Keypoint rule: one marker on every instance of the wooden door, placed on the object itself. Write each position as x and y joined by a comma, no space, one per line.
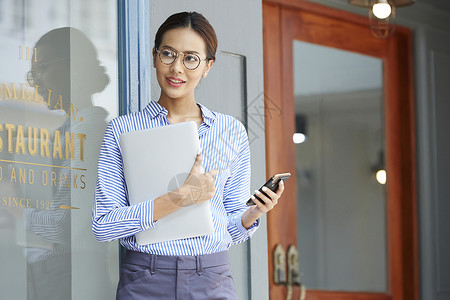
285,21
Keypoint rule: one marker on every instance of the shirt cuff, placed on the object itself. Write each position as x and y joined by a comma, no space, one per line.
244,231
147,215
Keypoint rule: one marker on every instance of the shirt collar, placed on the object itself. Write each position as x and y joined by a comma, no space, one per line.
208,115
154,109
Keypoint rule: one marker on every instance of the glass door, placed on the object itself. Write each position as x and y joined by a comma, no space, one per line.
58,90
341,197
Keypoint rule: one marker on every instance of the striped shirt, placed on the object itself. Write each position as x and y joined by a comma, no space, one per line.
224,145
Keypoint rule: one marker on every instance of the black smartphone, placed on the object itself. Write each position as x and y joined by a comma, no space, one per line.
271,184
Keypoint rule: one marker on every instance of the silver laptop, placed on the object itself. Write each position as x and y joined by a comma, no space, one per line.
157,161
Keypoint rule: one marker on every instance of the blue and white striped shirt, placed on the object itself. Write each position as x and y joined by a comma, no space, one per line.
224,145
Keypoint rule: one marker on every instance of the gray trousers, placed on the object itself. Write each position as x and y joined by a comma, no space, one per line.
149,276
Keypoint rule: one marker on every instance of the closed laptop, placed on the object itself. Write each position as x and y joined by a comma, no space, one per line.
157,161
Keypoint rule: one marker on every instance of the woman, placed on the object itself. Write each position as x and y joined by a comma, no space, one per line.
195,268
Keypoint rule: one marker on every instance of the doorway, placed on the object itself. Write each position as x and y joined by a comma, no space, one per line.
288,26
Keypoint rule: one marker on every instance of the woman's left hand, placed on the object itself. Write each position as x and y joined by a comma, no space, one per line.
269,202
256,211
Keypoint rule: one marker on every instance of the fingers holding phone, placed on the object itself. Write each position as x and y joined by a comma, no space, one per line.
270,187
266,199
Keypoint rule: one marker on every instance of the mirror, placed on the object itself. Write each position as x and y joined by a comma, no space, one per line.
58,90
341,205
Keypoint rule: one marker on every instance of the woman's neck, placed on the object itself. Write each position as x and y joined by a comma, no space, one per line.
181,110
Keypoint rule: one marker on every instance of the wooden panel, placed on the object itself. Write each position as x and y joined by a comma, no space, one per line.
286,20
319,29
325,295
401,167
306,5
279,147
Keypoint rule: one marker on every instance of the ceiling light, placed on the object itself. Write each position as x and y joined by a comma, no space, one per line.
381,14
381,9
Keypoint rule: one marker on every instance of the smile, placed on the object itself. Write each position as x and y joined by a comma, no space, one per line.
175,82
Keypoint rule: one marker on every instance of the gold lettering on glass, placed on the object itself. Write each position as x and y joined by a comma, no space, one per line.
70,145
10,128
10,91
32,140
20,140
44,143
57,145
82,137
1,140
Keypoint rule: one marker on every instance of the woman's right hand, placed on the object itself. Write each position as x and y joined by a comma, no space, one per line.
198,187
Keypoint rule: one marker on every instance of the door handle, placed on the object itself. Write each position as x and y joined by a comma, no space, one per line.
279,269
286,270
293,271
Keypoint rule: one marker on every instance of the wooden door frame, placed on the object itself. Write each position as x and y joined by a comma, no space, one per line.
285,20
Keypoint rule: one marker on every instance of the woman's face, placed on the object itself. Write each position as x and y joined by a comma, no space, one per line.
54,74
175,80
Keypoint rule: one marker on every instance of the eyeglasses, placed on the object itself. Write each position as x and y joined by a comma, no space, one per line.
38,70
33,77
167,56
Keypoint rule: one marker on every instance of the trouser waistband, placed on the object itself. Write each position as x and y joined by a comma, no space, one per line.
183,262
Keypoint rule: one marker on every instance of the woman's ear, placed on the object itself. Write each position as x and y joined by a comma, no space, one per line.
154,57
207,68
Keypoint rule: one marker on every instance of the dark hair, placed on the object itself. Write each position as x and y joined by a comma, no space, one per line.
195,21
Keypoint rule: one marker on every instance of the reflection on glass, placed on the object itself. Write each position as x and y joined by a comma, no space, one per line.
341,206
381,176
51,128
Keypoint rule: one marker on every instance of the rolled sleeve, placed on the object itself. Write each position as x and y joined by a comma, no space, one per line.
240,231
147,215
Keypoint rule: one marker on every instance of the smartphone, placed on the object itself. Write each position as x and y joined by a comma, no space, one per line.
271,184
